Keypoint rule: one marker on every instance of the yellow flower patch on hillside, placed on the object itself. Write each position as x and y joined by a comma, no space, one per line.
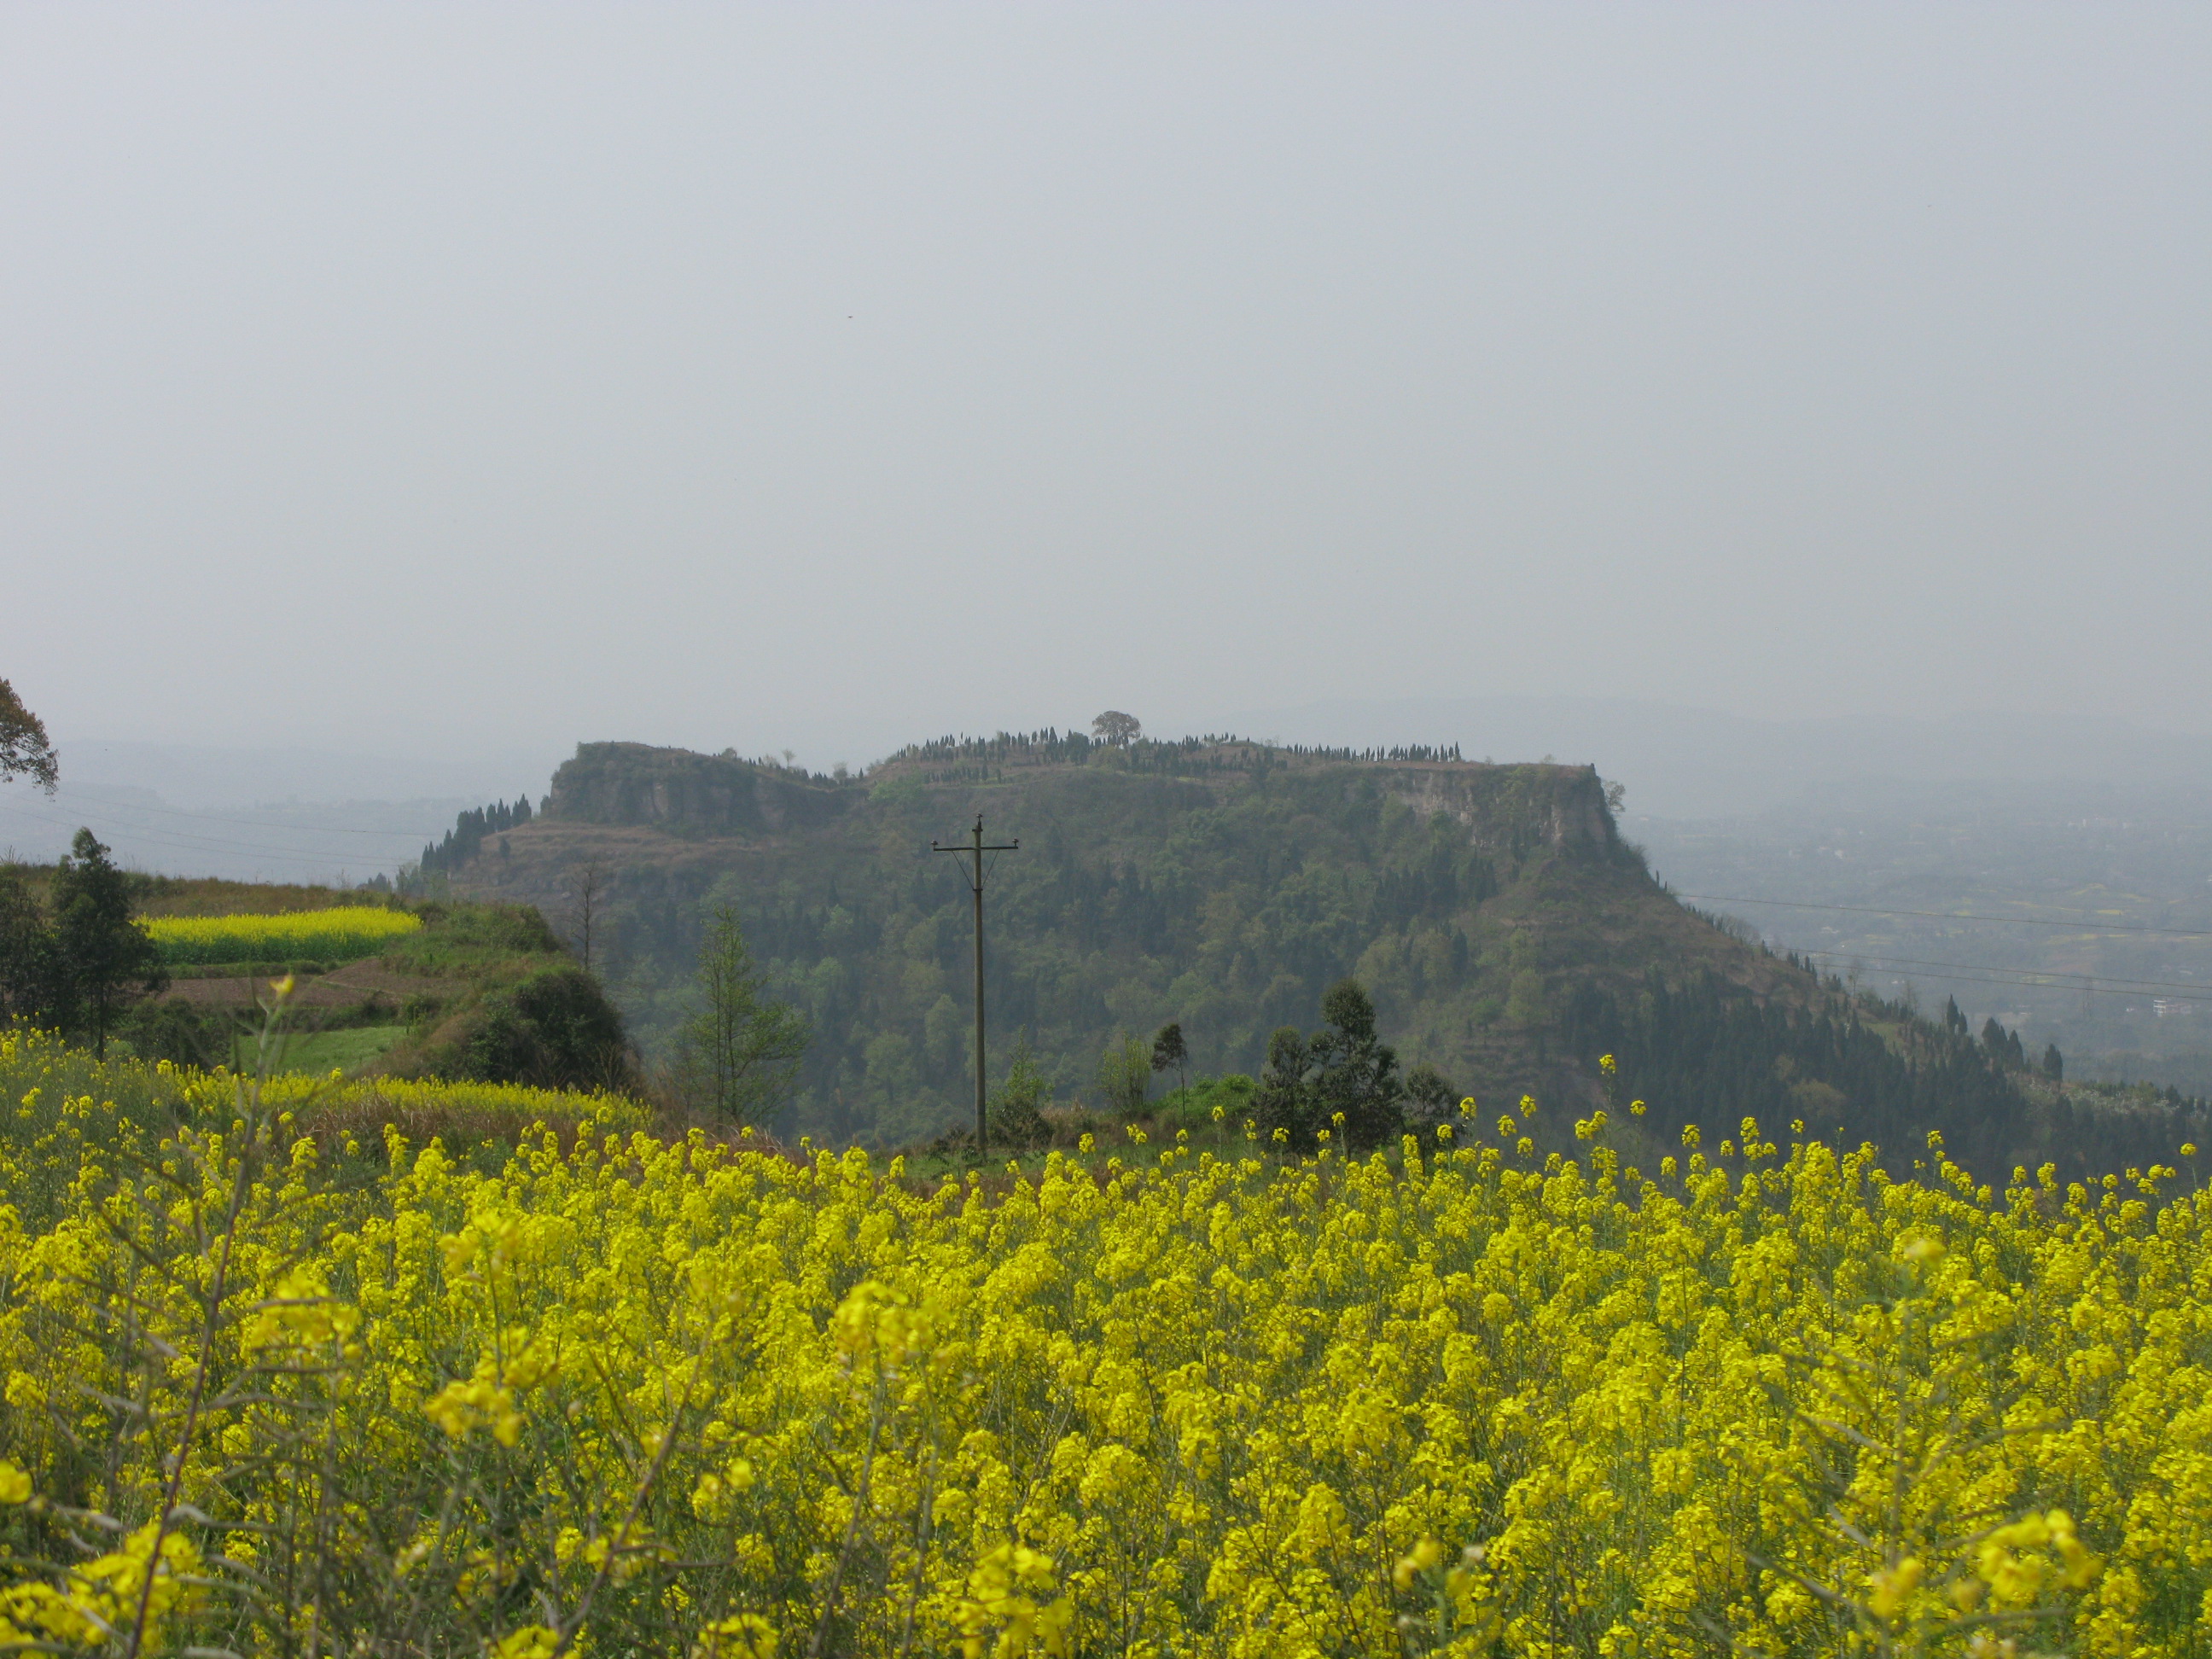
339,934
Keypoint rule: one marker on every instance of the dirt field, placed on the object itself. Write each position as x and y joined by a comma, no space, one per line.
341,987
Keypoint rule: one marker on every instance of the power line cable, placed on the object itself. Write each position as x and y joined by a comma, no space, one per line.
2018,985
192,843
204,845
113,808
2032,977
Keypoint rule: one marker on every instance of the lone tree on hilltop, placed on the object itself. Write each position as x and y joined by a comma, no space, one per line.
24,750
106,955
1115,728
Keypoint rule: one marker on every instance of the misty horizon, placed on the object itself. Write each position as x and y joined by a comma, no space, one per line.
476,376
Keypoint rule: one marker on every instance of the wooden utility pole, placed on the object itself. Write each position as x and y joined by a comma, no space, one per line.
974,848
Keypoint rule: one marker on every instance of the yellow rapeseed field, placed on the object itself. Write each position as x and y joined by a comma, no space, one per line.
338,934
267,1392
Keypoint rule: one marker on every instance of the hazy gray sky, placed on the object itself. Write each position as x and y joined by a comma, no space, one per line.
430,380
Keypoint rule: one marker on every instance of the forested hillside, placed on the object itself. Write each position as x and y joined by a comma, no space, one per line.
1506,932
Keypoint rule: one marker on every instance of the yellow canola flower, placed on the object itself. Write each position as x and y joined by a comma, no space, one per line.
2012,1560
110,1593
528,1642
880,1319
740,1635
1000,1616
1888,1589
487,1398
1241,1404
1420,1559
301,1309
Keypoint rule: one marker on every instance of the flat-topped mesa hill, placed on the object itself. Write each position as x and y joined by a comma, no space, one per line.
1506,932
694,795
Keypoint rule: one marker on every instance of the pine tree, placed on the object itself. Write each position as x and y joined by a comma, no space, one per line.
1284,1101
740,1054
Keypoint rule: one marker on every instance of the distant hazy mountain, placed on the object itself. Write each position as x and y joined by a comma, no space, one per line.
197,776
275,814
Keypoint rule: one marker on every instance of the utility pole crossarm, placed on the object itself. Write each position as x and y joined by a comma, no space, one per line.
976,848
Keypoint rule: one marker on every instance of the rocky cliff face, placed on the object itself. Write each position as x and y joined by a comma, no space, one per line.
1515,807
686,793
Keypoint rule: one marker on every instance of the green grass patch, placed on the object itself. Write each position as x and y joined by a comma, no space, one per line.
465,939
321,1051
